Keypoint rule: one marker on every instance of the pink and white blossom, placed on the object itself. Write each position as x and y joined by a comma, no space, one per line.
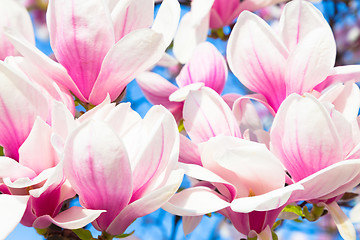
122,164
206,67
14,15
297,60
95,57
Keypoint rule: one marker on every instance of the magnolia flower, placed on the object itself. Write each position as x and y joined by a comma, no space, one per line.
24,99
101,57
122,164
14,15
319,147
236,182
36,186
207,67
205,14
297,60
207,115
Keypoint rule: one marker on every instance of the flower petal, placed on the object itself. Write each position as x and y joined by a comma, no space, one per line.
147,204
43,63
130,15
17,121
79,40
343,223
310,62
190,223
192,30
207,115
130,56
167,20
156,88
72,218
265,202
37,152
96,161
304,137
206,65
298,19
14,15
329,182
12,210
190,202
257,57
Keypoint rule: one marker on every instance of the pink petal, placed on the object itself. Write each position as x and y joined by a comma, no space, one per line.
130,15
206,65
343,223
154,150
329,182
244,164
192,30
50,88
298,19
147,204
257,57
156,88
304,137
181,94
207,115
346,99
79,40
341,74
132,55
265,202
311,61
15,16
92,152
167,20
72,218
198,172
12,210
190,223
189,152
17,121
122,118
12,169
37,152
190,202
44,64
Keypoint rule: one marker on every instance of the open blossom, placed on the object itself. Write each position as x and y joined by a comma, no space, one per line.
297,60
205,14
206,67
236,182
319,146
14,15
219,157
32,91
121,164
95,57
34,188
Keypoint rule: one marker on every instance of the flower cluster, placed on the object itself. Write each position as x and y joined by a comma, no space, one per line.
66,133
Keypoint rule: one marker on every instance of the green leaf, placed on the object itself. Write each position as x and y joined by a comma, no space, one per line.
253,238
1,151
294,209
124,235
83,234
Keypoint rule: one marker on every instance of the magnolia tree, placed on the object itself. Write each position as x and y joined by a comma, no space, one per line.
65,133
